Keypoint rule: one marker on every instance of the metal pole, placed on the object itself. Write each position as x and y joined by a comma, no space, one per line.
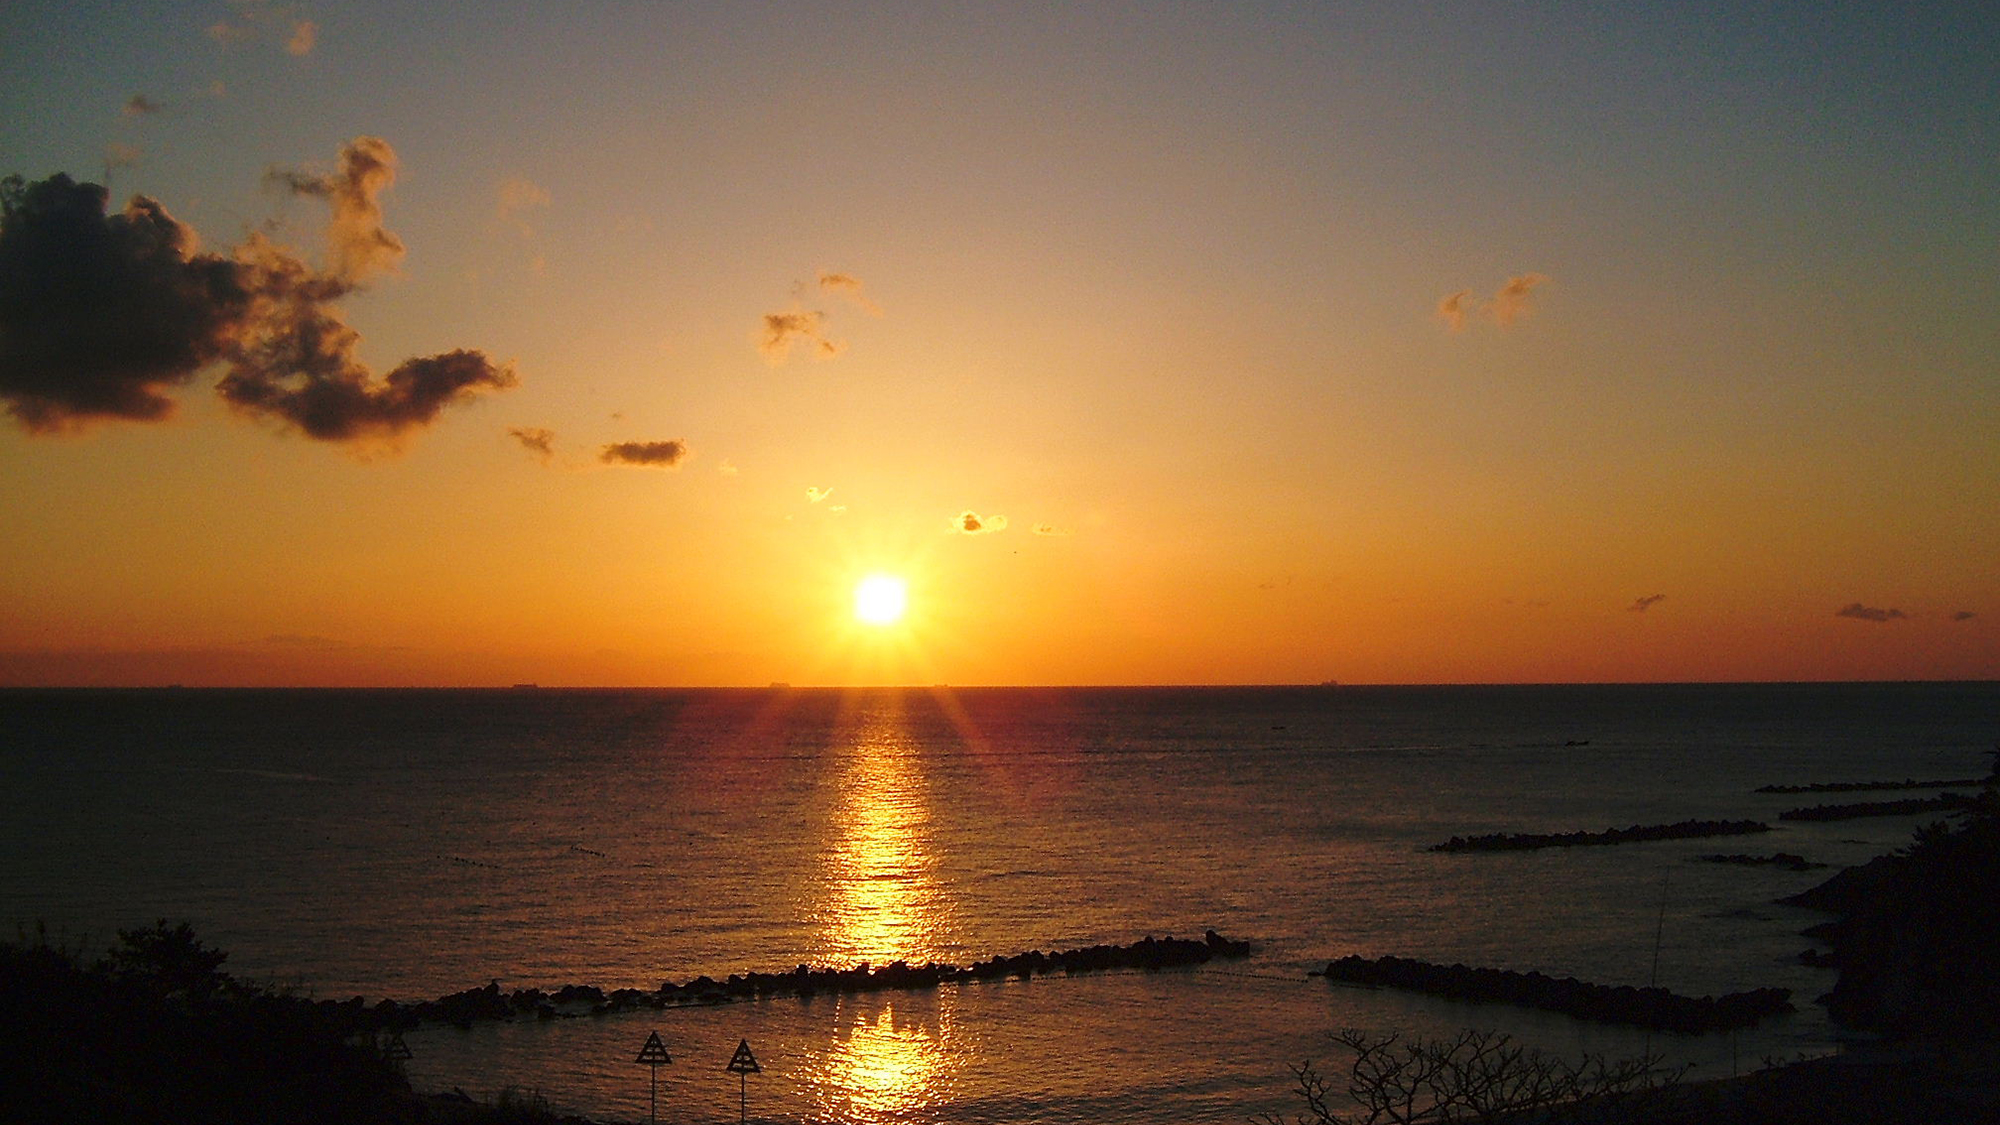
653,1106
743,1097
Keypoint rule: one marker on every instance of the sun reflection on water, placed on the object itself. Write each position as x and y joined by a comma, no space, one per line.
891,1058
880,901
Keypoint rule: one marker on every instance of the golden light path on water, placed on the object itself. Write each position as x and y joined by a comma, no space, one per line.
882,903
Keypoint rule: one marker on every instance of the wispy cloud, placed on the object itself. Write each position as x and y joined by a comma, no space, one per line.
806,328
1452,309
517,196
970,522
361,245
815,495
538,441
1052,530
139,105
146,309
262,20
849,286
645,454
803,327
1860,612
118,154
1963,615
1513,302
1646,603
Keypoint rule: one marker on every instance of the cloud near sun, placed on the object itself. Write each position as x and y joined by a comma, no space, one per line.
970,522
103,316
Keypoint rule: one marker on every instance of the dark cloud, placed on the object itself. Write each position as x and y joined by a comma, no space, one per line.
296,365
139,105
308,378
1646,603
1963,615
649,454
1861,612
101,315
970,522
805,328
360,244
540,442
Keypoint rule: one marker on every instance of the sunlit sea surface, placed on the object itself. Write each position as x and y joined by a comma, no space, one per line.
412,843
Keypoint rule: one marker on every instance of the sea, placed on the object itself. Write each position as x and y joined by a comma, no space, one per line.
412,843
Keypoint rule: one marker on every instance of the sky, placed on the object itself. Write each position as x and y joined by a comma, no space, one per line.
615,344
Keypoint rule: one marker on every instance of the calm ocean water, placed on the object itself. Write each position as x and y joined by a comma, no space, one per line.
412,843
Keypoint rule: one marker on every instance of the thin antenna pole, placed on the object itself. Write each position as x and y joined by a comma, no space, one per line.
1659,932
1660,927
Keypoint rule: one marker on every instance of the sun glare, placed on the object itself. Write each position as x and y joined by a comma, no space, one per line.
880,599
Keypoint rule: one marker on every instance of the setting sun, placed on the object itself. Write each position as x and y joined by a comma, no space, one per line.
880,599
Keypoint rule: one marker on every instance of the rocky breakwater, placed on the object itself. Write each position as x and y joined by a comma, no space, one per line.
1943,802
1637,833
1656,1008
492,1003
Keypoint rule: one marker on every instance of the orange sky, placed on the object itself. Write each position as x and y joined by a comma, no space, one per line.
1268,344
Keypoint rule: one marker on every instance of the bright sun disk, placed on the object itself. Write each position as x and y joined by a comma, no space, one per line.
880,599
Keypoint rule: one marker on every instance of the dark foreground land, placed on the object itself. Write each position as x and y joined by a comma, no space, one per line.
1929,1084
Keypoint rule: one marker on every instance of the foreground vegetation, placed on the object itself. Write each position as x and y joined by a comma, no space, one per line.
1474,1076
155,1031
1918,937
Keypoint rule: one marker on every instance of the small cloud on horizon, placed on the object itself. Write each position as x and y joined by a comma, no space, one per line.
645,454
1859,612
970,522
1646,603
